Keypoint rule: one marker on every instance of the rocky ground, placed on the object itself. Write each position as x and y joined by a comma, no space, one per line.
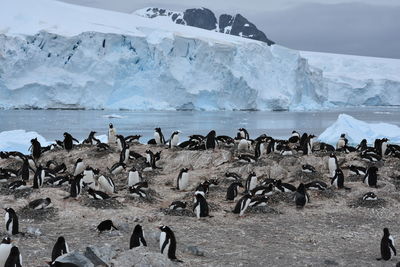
335,229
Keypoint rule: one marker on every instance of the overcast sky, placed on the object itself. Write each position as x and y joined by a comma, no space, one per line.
368,27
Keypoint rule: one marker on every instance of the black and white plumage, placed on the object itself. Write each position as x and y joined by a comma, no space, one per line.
307,168
120,140
286,151
91,140
178,205
151,159
14,258
295,138
106,225
168,242
124,155
24,171
233,190
247,158
210,141
369,196
76,186
59,248
174,140
371,177
137,237
38,178
338,179
68,141
200,207
134,177
5,248
79,167
36,149
251,182
137,191
233,176
259,201
332,164
243,133
117,168
342,142
301,196
387,246
11,221
284,187
102,147
112,134
95,194
159,137
266,190
130,139
106,184
182,181
316,185
41,203
242,205
17,185
357,170
58,180
244,145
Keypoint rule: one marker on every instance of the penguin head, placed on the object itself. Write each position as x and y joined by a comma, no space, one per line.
386,231
338,172
6,240
343,135
110,126
133,169
163,227
301,188
48,200
78,160
385,139
9,210
138,228
332,155
65,134
60,239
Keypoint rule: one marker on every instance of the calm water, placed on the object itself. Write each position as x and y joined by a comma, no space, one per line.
53,123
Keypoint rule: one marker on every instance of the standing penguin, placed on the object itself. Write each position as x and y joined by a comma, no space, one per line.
78,167
159,137
5,248
183,179
76,186
60,248
244,133
242,205
68,141
24,171
137,238
38,178
301,196
124,155
11,221
387,246
112,133
134,177
371,177
168,242
251,182
107,185
36,149
332,164
232,191
14,259
173,142
210,140
338,180
200,207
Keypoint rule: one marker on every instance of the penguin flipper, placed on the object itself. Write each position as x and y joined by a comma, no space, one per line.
378,259
176,260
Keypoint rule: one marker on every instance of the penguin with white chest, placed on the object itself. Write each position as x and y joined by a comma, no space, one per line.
137,238
232,191
301,196
183,179
251,182
371,177
112,133
38,178
107,184
59,248
332,164
168,243
200,207
387,246
5,248
78,167
11,221
39,204
14,258
173,142
159,137
134,177
242,205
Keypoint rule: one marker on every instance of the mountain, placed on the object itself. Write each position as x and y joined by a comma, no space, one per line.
205,19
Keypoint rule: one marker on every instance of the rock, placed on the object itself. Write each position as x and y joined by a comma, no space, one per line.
194,250
141,257
76,258
101,255
33,231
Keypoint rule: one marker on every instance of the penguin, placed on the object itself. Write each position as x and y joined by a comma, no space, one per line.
62,168
357,170
117,168
59,248
134,155
387,246
68,141
295,138
260,149
210,140
132,139
316,185
251,182
178,205
159,137
268,181
102,147
383,146
41,203
97,194
259,201
308,168
301,196
168,242
242,205
107,185
134,177
151,159
247,158
371,177
11,221
243,133
78,167
124,155
14,259
106,225
76,186
332,164
5,248
369,196
136,191
244,145
173,142
286,151
263,190
225,139
17,185
342,142
91,139
326,147
36,149
200,207
232,191
112,133
232,176
59,181
182,181
137,238
338,180
24,171
370,157
120,141
88,175
38,178
284,187
362,146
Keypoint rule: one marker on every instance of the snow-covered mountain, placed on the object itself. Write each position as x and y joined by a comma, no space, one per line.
205,19
58,55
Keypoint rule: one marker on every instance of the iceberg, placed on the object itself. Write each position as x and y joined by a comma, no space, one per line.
356,130
19,140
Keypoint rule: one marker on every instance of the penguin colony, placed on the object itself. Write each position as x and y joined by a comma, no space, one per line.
253,190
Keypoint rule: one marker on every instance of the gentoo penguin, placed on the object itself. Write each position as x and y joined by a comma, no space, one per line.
38,178
173,142
244,145
68,141
369,196
168,242
286,151
137,191
91,139
371,176
132,139
107,184
387,246
316,185
259,201
263,190
159,137
342,142
338,179
151,159
11,221
242,205
106,225
357,170
301,196
284,187
88,175
295,137
59,248
5,248
137,238
78,167
200,207
183,179
36,149
326,147
251,182
243,133
260,148
102,147
40,203
117,168
210,140
17,185
307,168
247,158
14,259
332,164
121,144
112,135
124,155
232,191
95,194
383,146
76,186
178,205
24,171
362,146
225,139
134,177
59,180
233,176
